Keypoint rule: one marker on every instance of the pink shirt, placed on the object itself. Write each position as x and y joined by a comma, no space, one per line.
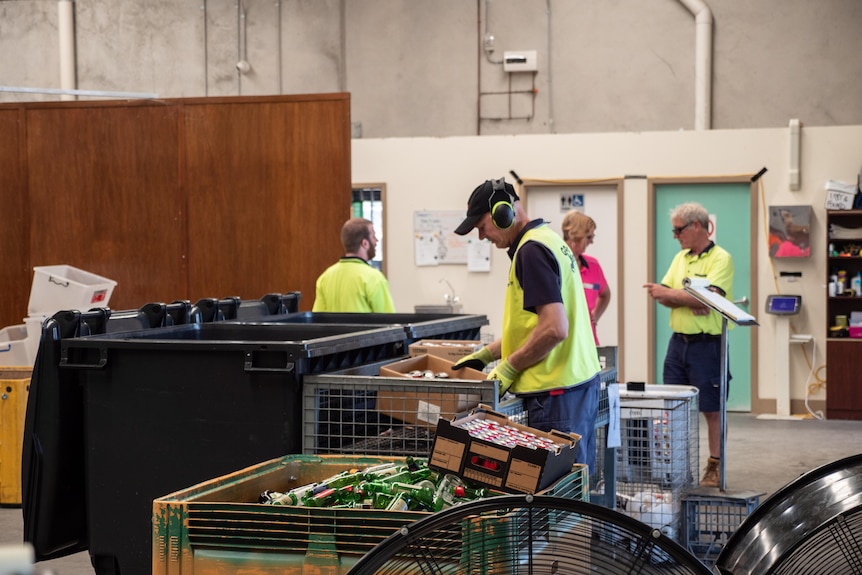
594,282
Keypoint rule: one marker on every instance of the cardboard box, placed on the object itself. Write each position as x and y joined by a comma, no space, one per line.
517,469
451,349
425,408
840,195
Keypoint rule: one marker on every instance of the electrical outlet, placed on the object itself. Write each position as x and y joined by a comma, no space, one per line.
489,42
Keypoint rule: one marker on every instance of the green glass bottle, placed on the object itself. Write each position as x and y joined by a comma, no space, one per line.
422,493
349,477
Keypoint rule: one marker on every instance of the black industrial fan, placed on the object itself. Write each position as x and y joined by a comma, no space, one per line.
811,526
527,535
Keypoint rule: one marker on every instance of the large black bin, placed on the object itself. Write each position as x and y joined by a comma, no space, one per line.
118,419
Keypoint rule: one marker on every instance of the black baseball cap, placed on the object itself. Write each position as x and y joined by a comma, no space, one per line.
479,204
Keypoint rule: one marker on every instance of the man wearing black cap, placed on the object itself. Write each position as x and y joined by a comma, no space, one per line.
547,351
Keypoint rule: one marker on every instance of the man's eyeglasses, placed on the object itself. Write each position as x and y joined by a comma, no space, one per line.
679,230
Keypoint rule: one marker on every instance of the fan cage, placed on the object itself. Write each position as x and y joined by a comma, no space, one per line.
532,535
835,548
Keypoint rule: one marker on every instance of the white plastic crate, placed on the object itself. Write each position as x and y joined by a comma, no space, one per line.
34,334
63,287
13,346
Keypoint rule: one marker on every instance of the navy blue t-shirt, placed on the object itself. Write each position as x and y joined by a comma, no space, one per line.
537,270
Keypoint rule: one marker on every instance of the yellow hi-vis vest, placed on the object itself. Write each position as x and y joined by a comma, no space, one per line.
574,360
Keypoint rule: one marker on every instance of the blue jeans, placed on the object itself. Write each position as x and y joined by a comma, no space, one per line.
574,411
696,362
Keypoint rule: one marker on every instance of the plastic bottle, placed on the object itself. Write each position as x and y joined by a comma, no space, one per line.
398,503
841,286
856,284
292,497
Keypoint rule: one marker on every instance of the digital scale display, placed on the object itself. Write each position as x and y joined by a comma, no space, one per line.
783,304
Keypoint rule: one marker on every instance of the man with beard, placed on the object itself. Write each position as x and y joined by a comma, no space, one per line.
352,284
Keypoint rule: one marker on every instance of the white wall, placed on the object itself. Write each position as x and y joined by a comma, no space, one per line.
439,174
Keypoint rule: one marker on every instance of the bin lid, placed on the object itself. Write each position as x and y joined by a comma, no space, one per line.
416,325
299,340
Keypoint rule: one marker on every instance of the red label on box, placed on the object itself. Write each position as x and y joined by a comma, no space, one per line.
99,296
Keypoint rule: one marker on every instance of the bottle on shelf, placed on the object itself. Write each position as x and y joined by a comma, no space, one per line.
856,284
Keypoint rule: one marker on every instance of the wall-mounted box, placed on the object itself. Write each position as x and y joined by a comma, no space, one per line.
521,61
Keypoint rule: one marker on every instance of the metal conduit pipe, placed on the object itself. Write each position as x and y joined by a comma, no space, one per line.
702,63
66,40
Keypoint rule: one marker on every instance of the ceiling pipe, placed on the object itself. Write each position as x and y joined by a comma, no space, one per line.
66,29
702,63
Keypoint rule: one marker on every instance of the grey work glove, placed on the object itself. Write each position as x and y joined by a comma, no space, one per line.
476,360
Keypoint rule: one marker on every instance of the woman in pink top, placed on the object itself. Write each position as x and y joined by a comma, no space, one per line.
579,231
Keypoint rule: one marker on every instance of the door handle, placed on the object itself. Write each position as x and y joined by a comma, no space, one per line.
743,301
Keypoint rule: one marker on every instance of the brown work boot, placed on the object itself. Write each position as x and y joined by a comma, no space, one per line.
710,474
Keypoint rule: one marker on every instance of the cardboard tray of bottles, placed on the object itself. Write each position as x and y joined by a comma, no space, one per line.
218,526
504,455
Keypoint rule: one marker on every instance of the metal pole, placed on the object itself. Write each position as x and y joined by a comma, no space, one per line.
96,93
722,483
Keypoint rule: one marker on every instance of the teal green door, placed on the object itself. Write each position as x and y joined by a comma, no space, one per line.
729,204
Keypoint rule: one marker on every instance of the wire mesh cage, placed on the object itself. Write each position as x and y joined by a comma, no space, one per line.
659,436
602,477
657,459
389,416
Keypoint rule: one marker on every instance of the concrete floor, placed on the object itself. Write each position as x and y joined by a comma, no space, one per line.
762,456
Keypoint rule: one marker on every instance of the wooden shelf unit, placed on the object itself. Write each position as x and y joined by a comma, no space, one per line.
843,392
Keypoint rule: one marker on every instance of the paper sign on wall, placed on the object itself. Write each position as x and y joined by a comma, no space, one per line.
434,239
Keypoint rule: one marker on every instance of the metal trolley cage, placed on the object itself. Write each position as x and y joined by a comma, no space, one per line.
356,411
340,415
657,461
603,477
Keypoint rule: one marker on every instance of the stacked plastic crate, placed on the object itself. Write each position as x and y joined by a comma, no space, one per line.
657,461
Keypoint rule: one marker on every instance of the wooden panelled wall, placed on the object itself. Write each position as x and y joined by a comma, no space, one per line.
176,199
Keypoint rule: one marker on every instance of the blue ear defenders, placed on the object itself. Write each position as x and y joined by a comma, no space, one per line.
500,202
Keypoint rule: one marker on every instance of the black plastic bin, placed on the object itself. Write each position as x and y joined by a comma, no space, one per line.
118,419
